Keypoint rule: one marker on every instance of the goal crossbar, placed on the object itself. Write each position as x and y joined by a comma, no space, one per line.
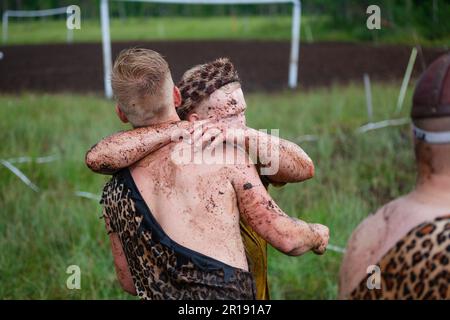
295,33
30,14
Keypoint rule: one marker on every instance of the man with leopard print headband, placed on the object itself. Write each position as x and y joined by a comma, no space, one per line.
409,238
212,91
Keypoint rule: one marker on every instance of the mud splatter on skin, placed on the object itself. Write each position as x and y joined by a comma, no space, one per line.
223,107
270,205
159,167
194,222
425,157
212,225
247,186
265,217
210,204
124,148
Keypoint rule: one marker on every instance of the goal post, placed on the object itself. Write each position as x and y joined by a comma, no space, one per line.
31,14
295,33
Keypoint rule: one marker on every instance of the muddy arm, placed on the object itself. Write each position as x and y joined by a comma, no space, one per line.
294,165
289,235
122,149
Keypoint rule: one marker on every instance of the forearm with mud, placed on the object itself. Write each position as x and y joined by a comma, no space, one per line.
294,165
122,149
289,235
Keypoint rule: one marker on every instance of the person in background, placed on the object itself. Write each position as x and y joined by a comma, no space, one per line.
408,239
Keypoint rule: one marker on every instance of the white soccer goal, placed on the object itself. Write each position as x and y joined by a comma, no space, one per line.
295,41
31,14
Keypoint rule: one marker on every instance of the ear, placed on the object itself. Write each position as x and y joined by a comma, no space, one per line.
193,117
176,96
121,115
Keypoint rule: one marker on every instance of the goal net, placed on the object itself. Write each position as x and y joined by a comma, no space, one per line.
32,14
295,33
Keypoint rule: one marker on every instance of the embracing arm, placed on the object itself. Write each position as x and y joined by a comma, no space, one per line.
122,149
289,235
294,165
280,160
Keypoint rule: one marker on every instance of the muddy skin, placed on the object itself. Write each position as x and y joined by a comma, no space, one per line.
290,235
193,204
220,108
122,149
229,105
247,186
425,166
199,206
125,148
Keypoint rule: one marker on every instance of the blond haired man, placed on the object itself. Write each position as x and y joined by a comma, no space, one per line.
175,226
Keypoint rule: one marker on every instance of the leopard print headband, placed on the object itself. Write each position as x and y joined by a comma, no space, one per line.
201,81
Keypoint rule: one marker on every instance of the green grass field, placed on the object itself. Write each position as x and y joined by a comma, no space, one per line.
44,232
234,27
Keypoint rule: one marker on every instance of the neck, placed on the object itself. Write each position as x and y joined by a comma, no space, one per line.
168,117
234,121
433,185
172,118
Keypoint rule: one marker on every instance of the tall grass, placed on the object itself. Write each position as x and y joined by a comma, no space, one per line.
42,233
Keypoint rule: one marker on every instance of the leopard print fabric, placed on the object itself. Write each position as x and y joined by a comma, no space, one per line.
161,268
201,81
417,267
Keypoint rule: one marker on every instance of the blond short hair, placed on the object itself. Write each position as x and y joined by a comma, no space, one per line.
142,85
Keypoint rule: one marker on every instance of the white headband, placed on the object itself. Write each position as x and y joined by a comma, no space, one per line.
432,137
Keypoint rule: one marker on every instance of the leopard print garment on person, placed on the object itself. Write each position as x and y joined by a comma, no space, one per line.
161,268
417,267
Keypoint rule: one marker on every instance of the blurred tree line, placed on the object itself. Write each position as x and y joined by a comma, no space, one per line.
430,18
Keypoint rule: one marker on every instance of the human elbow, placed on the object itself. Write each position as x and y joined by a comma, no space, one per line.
129,288
304,171
97,163
91,161
309,169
